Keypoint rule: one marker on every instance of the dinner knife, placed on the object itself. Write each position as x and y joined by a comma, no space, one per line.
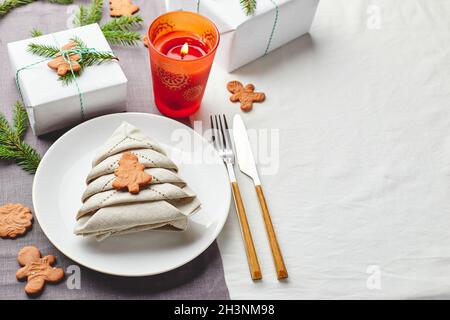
247,165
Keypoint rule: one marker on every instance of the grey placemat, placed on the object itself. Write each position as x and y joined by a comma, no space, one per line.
200,279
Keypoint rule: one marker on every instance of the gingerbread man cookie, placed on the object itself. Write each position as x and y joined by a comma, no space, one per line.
245,95
37,270
15,219
145,40
62,66
119,8
130,174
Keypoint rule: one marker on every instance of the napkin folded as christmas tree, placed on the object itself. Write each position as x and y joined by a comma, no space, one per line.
165,204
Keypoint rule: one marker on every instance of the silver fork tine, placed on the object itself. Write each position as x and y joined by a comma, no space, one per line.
223,133
219,137
213,132
227,135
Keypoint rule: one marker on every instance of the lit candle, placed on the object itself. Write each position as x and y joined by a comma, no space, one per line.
182,46
185,50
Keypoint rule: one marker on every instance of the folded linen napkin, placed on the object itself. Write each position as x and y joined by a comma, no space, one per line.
165,204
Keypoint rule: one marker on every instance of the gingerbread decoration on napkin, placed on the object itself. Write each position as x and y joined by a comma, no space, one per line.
37,270
130,174
120,8
15,220
62,66
245,95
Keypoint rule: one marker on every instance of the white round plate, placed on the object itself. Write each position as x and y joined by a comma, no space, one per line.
60,182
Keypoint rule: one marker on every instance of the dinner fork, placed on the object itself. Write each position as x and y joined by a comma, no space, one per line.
222,142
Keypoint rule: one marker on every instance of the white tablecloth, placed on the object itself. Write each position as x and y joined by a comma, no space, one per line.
357,175
361,199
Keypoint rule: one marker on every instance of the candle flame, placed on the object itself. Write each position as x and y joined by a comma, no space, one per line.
184,49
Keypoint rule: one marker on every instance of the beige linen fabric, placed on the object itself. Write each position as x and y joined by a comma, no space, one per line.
165,204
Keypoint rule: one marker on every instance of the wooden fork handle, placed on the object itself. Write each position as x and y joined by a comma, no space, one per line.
255,270
276,252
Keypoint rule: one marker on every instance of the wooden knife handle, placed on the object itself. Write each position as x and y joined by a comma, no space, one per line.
255,270
276,252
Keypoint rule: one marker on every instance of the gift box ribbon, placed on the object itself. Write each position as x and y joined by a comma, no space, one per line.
65,54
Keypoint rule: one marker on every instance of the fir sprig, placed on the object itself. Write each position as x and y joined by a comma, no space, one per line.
8,5
20,120
12,147
43,50
118,31
35,33
80,16
79,43
123,23
89,58
95,12
249,6
89,14
124,38
97,58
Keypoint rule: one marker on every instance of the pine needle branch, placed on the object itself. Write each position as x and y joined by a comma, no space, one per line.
118,31
123,24
5,129
97,58
43,50
27,157
6,153
79,43
8,5
81,16
35,33
95,12
12,147
124,38
68,78
89,14
249,6
20,120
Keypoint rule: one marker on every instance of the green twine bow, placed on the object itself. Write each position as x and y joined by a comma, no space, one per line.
65,54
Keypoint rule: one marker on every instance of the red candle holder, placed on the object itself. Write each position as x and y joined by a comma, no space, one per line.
182,46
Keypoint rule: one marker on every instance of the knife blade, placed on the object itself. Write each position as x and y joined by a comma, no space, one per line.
247,164
246,161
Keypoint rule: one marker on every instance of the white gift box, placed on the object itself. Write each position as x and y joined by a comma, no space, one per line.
246,38
51,105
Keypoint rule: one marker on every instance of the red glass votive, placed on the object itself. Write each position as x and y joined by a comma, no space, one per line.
182,46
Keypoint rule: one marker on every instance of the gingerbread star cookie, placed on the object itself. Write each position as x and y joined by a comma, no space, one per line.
120,8
245,95
37,270
62,66
15,220
130,174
